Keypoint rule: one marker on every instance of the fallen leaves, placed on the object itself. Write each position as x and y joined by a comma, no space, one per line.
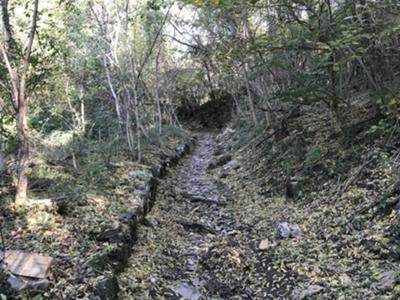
97,198
349,241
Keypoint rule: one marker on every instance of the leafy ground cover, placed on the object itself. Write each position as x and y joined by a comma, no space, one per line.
346,204
94,197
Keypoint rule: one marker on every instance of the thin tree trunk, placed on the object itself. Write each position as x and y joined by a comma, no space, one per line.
114,94
249,96
82,116
157,96
23,151
138,132
20,101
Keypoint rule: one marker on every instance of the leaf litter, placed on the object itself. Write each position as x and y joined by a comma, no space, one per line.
173,259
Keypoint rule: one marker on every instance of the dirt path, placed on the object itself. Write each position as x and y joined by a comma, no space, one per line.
192,247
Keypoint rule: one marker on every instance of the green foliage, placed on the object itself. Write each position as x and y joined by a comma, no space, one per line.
312,156
155,138
390,107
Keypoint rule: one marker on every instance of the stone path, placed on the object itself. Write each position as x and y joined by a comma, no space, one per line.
191,246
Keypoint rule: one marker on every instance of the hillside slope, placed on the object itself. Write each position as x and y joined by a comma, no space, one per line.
339,186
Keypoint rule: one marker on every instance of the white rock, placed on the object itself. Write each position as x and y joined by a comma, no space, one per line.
287,230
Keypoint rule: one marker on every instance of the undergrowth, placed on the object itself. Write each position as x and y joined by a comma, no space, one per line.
346,202
94,179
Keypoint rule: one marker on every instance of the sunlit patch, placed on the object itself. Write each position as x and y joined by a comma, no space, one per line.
37,219
100,201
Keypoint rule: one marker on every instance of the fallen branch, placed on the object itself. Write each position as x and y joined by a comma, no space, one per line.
353,178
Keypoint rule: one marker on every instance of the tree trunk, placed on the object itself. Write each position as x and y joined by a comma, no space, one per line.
23,152
113,92
138,132
18,82
250,100
160,118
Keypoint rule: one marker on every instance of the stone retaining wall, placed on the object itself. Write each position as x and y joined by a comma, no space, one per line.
123,234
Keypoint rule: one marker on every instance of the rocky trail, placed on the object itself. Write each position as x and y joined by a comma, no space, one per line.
193,246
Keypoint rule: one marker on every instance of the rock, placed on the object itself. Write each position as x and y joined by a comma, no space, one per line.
137,208
16,283
187,292
197,198
219,161
223,174
98,261
118,255
232,165
386,282
114,256
26,264
139,174
218,151
182,149
157,170
114,233
106,288
289,231
292,190
284,230
264,244
345,279
295,231
225,135
370,185
20,284
299,293
153,280
130,219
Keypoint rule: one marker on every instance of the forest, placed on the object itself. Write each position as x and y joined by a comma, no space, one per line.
199,149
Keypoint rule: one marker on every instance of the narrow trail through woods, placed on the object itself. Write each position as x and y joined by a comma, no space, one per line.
192,247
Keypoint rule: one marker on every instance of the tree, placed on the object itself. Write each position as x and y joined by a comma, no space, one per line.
18,75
